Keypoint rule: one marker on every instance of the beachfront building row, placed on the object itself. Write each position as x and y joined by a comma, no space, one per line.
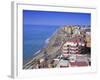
74,48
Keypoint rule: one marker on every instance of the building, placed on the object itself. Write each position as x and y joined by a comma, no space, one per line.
69,47
72,47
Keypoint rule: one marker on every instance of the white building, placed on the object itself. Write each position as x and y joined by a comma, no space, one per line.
71,47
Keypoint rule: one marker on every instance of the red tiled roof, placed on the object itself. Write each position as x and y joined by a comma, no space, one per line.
83,63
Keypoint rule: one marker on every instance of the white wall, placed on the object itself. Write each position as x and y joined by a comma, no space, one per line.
5,39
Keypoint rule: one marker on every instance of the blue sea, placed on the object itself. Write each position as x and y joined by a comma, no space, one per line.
34,37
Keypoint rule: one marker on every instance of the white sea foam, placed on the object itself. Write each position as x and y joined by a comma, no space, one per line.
47,40
37,52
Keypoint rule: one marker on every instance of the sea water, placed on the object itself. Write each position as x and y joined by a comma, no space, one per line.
34,38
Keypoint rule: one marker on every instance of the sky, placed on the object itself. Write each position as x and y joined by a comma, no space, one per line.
31,17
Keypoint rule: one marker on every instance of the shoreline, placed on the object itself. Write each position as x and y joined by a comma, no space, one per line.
40,52
51,46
